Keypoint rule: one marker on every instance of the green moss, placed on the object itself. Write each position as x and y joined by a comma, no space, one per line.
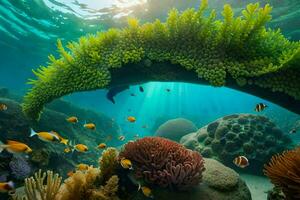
237,47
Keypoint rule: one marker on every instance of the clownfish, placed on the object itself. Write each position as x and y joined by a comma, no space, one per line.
241,161
260,107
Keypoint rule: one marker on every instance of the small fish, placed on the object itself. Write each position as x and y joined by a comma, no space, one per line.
67,150
136,136
82,167
3,107
90,126
126,164
6,186
45,136
101,146
131,119
168,90
15,147
146,191
293,131
132,94
72,119
81,148
260,107
122,138
144,126
61,139
241,161
141,89
70,173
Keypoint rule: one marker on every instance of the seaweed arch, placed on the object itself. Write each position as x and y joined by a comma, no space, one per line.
238,52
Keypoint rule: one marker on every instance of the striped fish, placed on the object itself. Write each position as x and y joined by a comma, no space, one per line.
241,161
260,107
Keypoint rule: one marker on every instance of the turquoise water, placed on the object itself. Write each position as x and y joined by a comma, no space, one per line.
29,30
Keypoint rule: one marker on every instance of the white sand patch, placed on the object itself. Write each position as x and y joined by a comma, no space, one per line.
258,186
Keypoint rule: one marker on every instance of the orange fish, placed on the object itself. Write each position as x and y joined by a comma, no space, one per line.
81,148
122,138
241,161
3,107
131,119
15,147
6,186
70,173
72,119
67,150
45,136
82,167
90,126
61,139
102,146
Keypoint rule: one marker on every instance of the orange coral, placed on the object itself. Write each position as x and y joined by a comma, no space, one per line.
284,171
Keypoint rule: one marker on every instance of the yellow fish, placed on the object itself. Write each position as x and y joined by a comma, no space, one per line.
131,119
6,186
90,126
45,136
15,147
61,139
102,146
81,148
3,107
72,119
122,138
146,191
67,150
126,163
82,167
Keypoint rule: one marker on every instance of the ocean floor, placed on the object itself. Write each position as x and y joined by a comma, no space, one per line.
258,186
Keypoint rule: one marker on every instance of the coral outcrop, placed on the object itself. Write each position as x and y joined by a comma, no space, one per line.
174,129
108,163
284,172
19,167
253,136
239,52
219,182
164,163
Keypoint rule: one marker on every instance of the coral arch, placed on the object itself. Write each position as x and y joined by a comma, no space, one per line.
192,46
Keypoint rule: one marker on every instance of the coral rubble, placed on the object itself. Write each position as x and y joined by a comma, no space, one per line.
235,49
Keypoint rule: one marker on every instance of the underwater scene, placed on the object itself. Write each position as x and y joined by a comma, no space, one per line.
149,99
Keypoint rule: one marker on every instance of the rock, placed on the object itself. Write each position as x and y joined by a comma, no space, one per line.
253,136
219,183
174,129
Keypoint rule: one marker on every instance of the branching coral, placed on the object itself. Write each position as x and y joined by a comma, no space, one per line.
108,163
284,172
216,50
164,163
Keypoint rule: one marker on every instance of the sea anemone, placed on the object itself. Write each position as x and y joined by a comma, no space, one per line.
284,172
164,163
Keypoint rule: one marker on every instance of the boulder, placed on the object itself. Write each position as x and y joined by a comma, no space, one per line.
174,129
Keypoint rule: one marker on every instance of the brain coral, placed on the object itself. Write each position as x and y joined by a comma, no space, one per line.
176,128
164,163
238,48
254,136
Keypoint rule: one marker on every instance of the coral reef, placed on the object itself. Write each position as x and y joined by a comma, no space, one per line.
284,172
19,167
107,192
239,48
108,163
276,194
174,129
218,182
253,136
164,163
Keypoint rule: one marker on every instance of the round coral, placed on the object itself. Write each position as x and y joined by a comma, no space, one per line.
164,163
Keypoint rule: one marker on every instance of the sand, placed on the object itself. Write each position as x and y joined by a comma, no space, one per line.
258,186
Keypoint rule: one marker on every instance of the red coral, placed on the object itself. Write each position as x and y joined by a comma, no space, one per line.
164,163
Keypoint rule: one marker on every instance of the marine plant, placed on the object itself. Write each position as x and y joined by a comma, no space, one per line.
108,163
284,172
164,163
239,48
